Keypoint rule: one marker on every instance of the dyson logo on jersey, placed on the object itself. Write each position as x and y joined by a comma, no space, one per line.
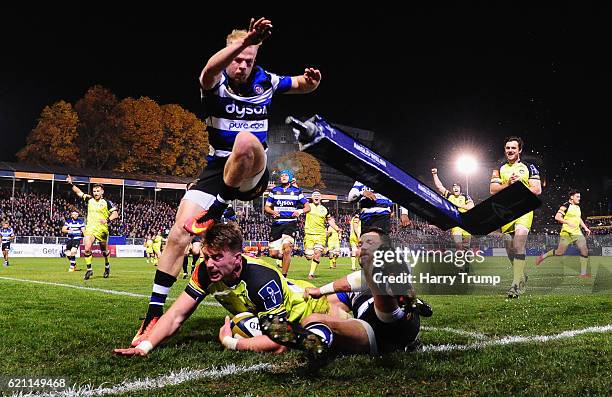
284,203
241,111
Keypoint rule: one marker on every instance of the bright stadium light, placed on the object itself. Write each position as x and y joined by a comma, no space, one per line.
467,165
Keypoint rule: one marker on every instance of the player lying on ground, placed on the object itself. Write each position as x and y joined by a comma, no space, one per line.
384,320
240,284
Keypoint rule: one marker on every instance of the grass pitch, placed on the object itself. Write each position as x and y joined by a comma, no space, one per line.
554,340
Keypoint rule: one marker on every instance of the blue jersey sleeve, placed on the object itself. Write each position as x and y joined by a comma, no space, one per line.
282,83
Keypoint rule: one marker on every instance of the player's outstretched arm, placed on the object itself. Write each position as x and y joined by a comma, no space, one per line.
437,181
167,325
259,30
308,82
75,189
349,283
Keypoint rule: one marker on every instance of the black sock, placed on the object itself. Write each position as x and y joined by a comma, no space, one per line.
162,284
221,202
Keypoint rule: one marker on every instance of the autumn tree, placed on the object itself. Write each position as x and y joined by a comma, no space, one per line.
98,118
185,142
139,135
131,135
306,168
52,140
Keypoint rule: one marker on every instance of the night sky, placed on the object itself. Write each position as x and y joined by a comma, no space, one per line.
431,81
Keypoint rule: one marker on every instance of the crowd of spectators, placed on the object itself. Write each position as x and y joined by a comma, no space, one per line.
29,213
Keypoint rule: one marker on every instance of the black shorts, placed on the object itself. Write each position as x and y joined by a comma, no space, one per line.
377,221
211,180
6,246
395,336
289,228
73,243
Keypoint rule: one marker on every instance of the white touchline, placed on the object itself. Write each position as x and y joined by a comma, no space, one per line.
105,291
171,379
475,335
509,340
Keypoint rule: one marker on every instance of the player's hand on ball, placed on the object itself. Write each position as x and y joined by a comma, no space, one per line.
225,330
132,351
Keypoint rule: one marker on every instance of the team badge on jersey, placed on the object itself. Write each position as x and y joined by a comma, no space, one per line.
258,89
271,295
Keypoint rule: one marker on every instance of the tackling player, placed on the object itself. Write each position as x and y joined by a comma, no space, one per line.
239,283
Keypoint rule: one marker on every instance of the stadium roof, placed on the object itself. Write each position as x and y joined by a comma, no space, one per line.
49,172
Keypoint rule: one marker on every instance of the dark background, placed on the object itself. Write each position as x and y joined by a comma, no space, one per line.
432,81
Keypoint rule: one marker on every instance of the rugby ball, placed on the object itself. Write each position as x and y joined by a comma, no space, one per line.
245,325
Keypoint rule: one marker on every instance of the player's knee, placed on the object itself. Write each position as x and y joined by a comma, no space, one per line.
178,236
246,146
